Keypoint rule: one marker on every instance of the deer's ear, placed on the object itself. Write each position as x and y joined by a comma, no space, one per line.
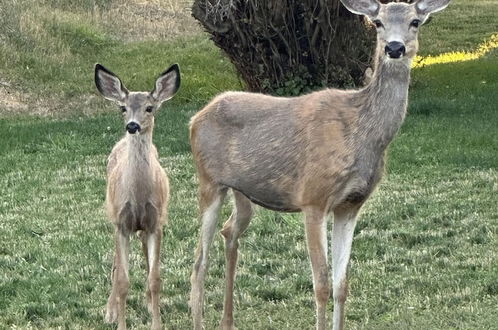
109,85
167,84
368,8
426,7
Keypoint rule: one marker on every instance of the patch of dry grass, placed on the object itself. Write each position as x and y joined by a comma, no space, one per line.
10,100
48,42
156,20
14,102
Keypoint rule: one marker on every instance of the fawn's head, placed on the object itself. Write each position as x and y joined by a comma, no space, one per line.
138,108
397,23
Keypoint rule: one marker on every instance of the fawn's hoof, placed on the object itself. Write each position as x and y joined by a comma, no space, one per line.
111,313
156,325
227,325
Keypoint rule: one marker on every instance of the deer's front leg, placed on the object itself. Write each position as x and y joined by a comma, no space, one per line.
116,304
152,242
154,280
342,238
316,238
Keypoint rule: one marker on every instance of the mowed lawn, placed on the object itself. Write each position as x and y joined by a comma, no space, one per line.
425,253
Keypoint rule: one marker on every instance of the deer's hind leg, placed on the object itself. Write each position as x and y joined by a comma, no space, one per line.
210,201
233,228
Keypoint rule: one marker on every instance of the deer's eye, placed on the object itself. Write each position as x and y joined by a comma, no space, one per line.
149,108
415,23
123,108
378,23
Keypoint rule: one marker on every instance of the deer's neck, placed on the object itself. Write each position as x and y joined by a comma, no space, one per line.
139,156
384,102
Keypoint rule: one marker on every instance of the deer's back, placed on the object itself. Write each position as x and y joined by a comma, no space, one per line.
282,153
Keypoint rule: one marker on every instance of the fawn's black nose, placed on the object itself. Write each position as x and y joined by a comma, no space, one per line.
395,49
132,127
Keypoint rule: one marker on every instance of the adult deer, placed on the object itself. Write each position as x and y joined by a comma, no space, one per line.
137,187
320,153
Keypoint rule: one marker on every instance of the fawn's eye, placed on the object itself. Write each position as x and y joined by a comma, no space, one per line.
415,23
378,23
123,108
149,108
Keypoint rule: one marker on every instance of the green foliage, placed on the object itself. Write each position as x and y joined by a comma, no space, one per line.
295,83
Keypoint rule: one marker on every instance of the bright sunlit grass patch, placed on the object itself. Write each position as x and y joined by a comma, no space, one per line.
483,49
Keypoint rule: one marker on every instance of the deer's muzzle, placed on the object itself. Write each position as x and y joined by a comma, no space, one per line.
132,127
395,49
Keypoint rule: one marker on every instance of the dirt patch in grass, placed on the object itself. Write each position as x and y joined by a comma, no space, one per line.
10,101
14,102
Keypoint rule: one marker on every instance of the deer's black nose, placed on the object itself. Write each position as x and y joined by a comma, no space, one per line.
132,127
395,49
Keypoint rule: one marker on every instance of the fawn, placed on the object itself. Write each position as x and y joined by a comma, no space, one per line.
137,187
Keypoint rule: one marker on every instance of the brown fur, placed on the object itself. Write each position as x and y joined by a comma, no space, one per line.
319,153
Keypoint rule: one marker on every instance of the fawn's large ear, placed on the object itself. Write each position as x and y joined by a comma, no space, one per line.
167,84
425,7
368,8
109,85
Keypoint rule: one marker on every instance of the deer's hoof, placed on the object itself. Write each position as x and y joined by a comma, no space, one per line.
111,314
156,325
227,325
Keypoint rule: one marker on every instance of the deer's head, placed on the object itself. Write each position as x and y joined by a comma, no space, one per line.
138,108
397,24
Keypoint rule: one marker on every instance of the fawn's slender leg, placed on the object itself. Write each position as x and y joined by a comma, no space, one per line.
232,229
116,304
342,238
143,239
152,248
211,199
154,280
316,238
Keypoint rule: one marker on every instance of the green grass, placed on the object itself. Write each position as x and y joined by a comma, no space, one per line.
461,26
425,251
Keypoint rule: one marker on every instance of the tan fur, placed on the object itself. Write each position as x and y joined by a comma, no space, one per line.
319,153
138,182
137,188
136,200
